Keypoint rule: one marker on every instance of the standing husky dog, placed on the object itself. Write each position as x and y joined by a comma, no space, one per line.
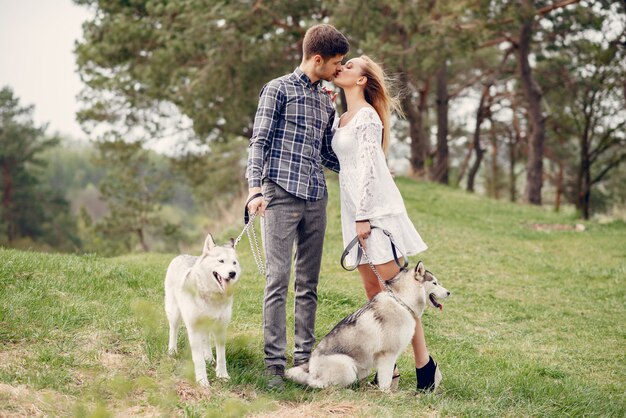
200,289
374,336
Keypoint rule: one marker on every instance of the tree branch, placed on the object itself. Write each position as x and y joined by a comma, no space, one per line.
539,12
613,164
605,143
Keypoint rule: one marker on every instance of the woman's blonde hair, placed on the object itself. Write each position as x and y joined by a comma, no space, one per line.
378,94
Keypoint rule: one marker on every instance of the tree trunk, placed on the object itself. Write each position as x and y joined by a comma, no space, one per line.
441,164
468,155
583,183
516,138
7,201
512,176
342,103
480,117
142,240
416,127
422,109
584,176
495,192
559,186
532,92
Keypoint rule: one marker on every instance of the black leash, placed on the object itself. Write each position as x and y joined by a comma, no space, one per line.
246,215
359,254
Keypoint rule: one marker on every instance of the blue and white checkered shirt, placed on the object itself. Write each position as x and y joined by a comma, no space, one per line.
292,135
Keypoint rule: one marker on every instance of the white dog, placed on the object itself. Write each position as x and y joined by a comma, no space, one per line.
200,289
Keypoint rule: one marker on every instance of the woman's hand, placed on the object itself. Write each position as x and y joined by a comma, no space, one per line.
363,231
330,93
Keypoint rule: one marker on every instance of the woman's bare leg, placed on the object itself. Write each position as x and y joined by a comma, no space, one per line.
370,281
420,352
373,286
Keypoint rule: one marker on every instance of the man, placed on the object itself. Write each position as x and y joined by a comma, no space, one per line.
290,143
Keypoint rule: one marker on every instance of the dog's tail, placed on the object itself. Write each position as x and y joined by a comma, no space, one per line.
302,376
298,375
337,369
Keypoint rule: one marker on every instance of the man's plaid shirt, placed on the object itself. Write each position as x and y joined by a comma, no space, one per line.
292,135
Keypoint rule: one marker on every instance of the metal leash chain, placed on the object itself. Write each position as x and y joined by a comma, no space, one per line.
245,229
256,250
254,243
384,283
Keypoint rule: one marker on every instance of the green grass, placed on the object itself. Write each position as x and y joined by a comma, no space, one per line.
535,326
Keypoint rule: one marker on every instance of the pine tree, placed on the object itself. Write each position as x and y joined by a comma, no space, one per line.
133,191
28,209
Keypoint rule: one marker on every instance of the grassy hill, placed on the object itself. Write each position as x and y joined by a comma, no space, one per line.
535,327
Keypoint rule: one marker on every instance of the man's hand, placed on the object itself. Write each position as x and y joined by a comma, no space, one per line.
363,231
256,205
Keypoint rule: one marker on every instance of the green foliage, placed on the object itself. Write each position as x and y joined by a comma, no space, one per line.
69,167
189,70
133,191
204,57
518,337
216,176
412,37
581,70
29,210
189,208
192,70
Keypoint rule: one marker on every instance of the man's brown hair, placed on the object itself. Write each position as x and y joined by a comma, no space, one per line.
324,40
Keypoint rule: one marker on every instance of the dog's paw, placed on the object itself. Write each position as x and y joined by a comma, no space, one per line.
172,351
222,374
203,383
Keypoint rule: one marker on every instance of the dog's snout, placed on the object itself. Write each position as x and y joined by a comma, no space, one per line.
232,275
448,293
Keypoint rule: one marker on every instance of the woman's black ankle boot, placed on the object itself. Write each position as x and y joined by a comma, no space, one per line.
428,376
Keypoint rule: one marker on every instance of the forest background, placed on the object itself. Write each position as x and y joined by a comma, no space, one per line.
517,100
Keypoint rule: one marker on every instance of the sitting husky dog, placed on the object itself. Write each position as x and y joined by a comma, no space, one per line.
374,336
200,289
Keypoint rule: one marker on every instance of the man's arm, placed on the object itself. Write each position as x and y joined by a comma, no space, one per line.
271,102
329,159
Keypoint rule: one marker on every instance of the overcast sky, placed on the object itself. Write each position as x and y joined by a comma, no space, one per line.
36,60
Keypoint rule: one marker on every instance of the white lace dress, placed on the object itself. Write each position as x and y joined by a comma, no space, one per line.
369,192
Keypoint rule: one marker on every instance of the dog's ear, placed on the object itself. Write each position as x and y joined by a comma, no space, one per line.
420,271
209,244
232,242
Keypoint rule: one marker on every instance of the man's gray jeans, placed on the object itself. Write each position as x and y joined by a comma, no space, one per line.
288,220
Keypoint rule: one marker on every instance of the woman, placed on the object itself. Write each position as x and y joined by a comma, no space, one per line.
369,196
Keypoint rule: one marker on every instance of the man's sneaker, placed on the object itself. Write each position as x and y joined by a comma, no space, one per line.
303,364
276,377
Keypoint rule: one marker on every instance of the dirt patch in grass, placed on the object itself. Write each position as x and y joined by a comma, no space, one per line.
139,411
92,340
98,341
112,361
314,409
187,392
109,352
21,401
14,359
556,227
14,353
